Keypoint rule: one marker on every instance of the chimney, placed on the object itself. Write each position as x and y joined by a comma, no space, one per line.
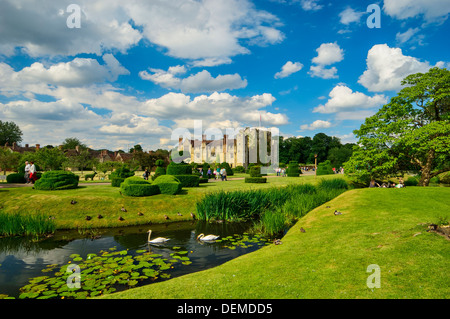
38,146
26,145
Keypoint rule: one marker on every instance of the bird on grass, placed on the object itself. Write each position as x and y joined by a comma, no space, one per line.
166,217
99,216
123,209
337,213
88,218
140,214
302,230
158,240
179,214
192,215
73,202
202,237
121,218
277,242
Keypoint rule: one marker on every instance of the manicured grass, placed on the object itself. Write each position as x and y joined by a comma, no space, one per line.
94,199
386,227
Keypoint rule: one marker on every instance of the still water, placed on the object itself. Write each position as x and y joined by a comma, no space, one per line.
23,258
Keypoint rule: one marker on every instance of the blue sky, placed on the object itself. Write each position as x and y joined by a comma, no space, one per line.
135,71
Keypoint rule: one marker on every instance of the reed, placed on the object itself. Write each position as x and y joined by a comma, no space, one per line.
25,225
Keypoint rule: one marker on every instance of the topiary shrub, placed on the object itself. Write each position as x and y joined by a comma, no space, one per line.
203,180
188,180
179,169
324,168
16,178
255,180
168,184
119,175
137,187
255,171
292,170
57,180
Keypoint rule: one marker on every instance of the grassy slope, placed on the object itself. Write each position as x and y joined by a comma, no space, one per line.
105,200
330,259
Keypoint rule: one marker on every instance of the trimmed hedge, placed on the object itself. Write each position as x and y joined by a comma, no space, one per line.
116,181
138,187
255,180
293,170
255,171
57,180
16,178
188,180
203,180
179,169
168,184
324,168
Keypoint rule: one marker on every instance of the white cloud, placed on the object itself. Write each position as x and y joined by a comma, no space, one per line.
319,124
207,32
288,69
311,5
343,99
432,10
387,67
350,16
196,83
327,54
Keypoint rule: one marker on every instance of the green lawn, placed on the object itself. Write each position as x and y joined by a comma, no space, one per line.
93,199
386,227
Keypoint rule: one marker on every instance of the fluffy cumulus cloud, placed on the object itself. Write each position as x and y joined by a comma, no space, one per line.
197,83
349,15
431,10
327,54
343,99
208,32
288,69
318,124
387,67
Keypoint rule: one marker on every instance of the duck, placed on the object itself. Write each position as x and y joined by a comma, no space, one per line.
192,215
99,216
302,230
337,213
88,218
179,214
73,202
202,237
166,217
157,240
123,209
120,218
140,214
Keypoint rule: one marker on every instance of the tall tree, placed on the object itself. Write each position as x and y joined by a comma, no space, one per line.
410,133
10,133
71,143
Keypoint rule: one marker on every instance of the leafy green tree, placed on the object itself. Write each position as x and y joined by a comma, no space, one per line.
10,133
410,133
71,143
50,158
82,160
8,159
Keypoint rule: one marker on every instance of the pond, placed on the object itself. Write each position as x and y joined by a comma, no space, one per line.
115,259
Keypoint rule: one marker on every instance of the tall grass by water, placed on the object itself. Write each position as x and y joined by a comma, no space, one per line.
25,225
275,208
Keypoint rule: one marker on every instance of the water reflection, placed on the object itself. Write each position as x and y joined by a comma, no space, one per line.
24,258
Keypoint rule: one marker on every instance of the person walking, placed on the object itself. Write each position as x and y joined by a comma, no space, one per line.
224,174
27,172
32,173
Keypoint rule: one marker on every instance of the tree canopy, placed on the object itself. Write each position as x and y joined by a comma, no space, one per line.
10,133
410,133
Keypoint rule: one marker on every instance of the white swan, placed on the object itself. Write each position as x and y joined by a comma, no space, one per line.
158,240
202,237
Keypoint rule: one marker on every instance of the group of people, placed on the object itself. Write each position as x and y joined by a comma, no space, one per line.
337,171
400,184
281,172
30,172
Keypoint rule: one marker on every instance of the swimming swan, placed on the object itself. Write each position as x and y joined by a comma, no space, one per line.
158,240
202,237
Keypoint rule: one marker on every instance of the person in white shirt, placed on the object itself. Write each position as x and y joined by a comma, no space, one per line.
27,172
32,173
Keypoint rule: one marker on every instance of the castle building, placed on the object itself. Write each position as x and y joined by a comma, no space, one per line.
249,145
